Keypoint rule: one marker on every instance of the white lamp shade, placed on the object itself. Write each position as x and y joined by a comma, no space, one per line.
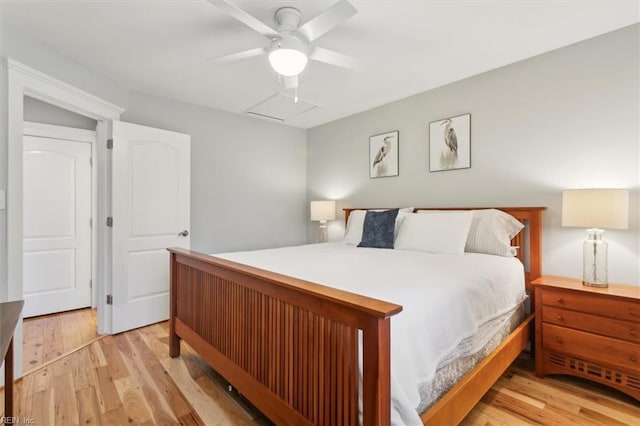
596,208
287,62
323,210
287,56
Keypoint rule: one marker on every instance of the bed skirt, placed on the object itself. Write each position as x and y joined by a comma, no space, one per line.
450,373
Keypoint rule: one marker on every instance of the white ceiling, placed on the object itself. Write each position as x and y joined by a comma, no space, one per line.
161,47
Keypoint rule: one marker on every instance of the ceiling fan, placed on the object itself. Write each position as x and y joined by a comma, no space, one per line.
290,44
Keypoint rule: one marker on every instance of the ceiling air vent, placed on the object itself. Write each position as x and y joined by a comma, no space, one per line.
280,107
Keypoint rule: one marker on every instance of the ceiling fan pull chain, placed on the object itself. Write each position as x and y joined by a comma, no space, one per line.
295,95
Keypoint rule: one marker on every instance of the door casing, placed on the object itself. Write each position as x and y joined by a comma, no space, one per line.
25,81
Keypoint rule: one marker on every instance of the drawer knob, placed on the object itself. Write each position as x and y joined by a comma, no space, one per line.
633,332
633,358
559,340
633,312
559,318
561,300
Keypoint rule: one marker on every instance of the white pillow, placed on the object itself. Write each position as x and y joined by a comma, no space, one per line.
355,224
491,233
435,232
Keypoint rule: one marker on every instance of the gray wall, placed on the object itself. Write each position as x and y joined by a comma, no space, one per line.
565,119
20,46
17,45
3,181
248,176
42,112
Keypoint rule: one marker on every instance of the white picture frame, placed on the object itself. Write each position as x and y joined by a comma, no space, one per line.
450,143
384,155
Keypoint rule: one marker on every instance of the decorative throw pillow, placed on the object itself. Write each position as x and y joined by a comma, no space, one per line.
491,233
379,229
353,233
442,232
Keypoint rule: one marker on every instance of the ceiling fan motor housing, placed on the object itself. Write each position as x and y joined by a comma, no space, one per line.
288,53
288,18
288,41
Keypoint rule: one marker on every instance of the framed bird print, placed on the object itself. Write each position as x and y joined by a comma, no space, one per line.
450,143
383,155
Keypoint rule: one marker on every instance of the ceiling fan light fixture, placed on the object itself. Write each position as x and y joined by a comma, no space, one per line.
287,56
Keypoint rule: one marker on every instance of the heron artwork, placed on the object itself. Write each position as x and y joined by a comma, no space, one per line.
378,162
449,154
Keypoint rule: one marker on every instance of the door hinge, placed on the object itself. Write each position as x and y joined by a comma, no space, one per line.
109,143
110,222
109,299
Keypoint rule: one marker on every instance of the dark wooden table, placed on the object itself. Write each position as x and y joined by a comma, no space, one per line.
9,316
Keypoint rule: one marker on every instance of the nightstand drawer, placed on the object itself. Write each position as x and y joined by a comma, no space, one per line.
591,347
583,302
608,327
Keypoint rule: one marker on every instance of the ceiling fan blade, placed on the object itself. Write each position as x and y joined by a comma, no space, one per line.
327,20
240,55
242,16
334,58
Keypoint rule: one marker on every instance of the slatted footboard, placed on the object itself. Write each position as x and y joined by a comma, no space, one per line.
290,346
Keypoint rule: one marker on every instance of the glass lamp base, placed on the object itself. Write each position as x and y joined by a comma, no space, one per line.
588,284
594,269
322,232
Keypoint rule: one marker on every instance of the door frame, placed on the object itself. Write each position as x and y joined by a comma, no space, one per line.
83,136
24,81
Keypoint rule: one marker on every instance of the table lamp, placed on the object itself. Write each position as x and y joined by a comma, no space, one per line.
323,211
595,209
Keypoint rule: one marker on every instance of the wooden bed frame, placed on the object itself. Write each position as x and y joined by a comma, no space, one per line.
291,346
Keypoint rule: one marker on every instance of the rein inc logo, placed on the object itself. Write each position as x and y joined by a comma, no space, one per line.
17,420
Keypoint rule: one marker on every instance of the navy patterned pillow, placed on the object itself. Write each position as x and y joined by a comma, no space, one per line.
378,229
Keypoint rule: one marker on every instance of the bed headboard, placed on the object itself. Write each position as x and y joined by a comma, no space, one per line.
529,239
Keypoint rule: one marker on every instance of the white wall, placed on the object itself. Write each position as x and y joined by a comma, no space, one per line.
565,119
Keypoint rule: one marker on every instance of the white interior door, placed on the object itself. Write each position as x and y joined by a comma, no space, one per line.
151,196
57,225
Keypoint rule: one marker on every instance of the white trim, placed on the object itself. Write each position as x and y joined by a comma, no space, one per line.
26,81
42,130
53,91
102,161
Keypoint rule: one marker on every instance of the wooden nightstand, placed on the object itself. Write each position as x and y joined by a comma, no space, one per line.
588,332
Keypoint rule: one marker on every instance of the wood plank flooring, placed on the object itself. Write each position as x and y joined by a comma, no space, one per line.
49,337
521,398
130,379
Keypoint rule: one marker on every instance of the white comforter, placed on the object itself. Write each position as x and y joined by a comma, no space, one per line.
445,298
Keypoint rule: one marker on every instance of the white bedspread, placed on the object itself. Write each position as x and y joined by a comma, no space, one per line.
445,298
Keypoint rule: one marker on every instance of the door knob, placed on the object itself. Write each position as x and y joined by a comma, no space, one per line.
183,233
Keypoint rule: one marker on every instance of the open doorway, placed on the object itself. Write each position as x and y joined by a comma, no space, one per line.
22,82
147,165
59,242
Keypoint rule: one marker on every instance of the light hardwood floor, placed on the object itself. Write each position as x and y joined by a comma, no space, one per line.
49,337
130,379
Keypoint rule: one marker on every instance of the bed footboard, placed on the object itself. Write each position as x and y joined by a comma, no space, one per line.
290,346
